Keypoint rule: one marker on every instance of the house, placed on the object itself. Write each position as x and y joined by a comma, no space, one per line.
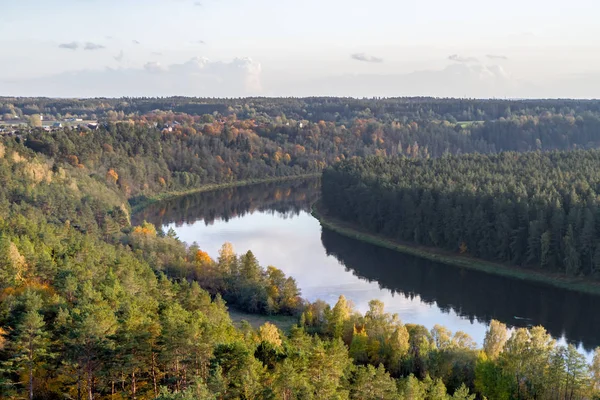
57,125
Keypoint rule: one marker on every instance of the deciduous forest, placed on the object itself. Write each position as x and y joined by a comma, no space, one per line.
95,307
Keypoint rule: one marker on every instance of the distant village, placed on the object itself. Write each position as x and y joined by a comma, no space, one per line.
12,127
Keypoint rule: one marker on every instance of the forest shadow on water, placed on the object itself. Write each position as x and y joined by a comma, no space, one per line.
283,197
471,295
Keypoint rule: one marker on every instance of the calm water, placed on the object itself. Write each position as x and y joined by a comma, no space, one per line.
274,221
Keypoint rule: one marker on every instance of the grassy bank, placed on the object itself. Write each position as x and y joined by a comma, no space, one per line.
142,203
448,258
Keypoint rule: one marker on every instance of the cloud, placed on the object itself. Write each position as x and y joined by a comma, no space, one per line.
154,67
69,46
200,42
366,58
198,4
157,53
93,46
496,57
198,76
456,80
135,41
119,57
461,59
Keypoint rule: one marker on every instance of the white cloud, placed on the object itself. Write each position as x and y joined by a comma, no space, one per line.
198,76
496,57
366,58
154,67
93,46
461,59
119,57
69,46
456,80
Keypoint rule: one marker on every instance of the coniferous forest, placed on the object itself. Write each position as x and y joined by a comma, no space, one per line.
95,307
533,209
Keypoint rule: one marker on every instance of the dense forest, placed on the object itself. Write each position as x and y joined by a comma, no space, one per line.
538,210
172,144
93,307
314,109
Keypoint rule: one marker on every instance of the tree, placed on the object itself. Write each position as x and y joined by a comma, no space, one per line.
373,383
197,391
359,347
462,393
412,389
238,371
291,381
31,346
577,378
525,357
35,121
13,266
227,258
441,336
595,370
112,176
270,334
339,315
571,261
495,338
328,363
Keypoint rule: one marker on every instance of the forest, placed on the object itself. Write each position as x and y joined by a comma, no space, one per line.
175,144
537,209
95,307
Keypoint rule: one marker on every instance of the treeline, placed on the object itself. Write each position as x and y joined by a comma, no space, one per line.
164,152
536,209
313,109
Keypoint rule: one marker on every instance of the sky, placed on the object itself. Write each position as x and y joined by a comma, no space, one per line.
233,48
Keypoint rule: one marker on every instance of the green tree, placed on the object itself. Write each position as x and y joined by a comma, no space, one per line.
339,315
31,346
495,338
372,383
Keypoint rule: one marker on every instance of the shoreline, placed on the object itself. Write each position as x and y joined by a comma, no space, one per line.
455,260
210,187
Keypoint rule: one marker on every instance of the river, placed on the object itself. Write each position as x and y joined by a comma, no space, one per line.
274,221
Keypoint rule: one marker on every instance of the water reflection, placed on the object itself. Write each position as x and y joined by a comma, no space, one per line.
472,294
285,198
273,221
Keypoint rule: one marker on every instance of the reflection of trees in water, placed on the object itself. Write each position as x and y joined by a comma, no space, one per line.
285,199
471,294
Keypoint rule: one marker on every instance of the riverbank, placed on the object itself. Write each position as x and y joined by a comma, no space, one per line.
452,259
145,202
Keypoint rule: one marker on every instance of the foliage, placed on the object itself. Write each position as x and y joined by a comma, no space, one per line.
537,210
93,307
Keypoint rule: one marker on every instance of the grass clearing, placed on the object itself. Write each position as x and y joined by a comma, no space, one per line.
283,322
